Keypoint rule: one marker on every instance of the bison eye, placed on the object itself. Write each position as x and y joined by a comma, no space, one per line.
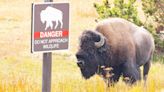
80,63
78,56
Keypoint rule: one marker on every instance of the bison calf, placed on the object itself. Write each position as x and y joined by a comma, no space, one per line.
118,44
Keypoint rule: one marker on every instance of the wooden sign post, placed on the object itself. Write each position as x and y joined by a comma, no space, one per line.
46,72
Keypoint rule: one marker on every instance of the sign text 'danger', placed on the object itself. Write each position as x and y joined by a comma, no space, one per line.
49,34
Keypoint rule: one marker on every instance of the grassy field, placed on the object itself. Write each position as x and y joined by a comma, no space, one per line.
21,71
24,75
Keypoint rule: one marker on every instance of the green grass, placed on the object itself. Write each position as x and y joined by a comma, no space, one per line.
158,58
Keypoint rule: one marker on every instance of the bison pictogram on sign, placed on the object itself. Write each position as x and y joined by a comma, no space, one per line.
50,15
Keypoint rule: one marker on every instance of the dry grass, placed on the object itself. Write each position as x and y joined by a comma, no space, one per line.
24,75
20,71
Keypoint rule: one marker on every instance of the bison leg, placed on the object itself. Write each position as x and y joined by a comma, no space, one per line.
47,25
56,24
61,23
146,70
116,75
112,80
139,71
130,73
51,25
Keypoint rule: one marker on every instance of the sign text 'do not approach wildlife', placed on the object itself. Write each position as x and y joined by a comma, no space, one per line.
50,27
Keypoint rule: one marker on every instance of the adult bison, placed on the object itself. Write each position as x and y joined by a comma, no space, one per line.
118,44
50,15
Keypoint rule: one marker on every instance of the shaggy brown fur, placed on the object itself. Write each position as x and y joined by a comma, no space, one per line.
118,38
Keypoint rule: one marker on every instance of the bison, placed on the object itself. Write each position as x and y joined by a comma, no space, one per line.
116,48
50,15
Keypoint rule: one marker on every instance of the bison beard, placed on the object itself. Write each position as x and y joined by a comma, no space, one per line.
116,48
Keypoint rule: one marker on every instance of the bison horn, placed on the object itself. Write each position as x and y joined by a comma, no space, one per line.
101,42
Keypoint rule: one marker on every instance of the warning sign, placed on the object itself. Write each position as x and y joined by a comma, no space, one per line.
50,27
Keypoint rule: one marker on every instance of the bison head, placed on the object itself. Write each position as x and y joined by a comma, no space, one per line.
92,45
43,16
